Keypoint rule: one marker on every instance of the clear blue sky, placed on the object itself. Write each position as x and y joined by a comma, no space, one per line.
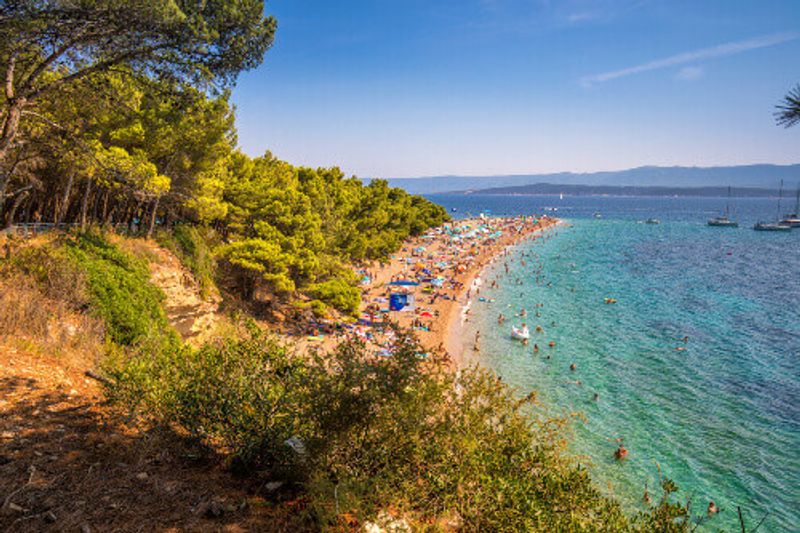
404,88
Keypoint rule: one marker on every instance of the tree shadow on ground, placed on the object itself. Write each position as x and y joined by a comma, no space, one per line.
67,465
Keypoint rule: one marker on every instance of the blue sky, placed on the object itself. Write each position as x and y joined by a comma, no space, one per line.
404,88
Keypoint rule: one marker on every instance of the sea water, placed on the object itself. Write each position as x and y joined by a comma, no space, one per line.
719,412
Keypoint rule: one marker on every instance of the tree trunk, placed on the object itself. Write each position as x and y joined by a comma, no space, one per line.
105,208
10,125
5,177
153,217
13,211
61,208
85,203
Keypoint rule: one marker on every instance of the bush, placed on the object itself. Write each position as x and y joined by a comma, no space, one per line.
338,293
239,396
120,291
394,432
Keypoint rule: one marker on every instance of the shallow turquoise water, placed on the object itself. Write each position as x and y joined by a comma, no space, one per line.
722,416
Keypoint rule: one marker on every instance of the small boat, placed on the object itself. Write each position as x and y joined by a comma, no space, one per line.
793,219
772,226
597,214
723,221
520,333
652,221
775,226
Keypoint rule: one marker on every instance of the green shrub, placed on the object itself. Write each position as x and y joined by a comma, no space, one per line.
338,293
393,432
120,291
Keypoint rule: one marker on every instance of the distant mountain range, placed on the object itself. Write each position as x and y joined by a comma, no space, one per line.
628,190
759,176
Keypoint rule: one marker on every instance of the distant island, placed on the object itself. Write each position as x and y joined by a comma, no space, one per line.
758,176
546,189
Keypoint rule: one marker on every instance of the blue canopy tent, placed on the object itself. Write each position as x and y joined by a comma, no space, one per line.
399,301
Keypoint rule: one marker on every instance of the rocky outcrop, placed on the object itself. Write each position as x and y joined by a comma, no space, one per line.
191,314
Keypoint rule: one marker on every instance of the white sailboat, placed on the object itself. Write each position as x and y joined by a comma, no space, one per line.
774,226
793,219
724,221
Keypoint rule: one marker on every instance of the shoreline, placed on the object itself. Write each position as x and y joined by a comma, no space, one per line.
454,255
455,344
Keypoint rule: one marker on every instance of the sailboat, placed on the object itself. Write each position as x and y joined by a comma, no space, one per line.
793,219
724,220
774,226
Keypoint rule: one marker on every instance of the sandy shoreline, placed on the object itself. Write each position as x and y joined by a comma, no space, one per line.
455,344
445,265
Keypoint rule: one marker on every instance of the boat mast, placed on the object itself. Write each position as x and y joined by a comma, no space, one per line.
780,197
797,202
728,205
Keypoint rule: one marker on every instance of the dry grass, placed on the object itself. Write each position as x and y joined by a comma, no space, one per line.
144,249
30,317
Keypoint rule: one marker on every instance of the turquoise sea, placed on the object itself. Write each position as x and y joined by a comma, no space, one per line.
720,416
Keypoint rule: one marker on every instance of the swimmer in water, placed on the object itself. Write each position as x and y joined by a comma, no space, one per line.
620,453
712,508
596,397
535,348
573,367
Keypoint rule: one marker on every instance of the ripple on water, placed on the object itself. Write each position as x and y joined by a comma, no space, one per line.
721,416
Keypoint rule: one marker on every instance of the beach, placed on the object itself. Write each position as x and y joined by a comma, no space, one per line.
438,275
